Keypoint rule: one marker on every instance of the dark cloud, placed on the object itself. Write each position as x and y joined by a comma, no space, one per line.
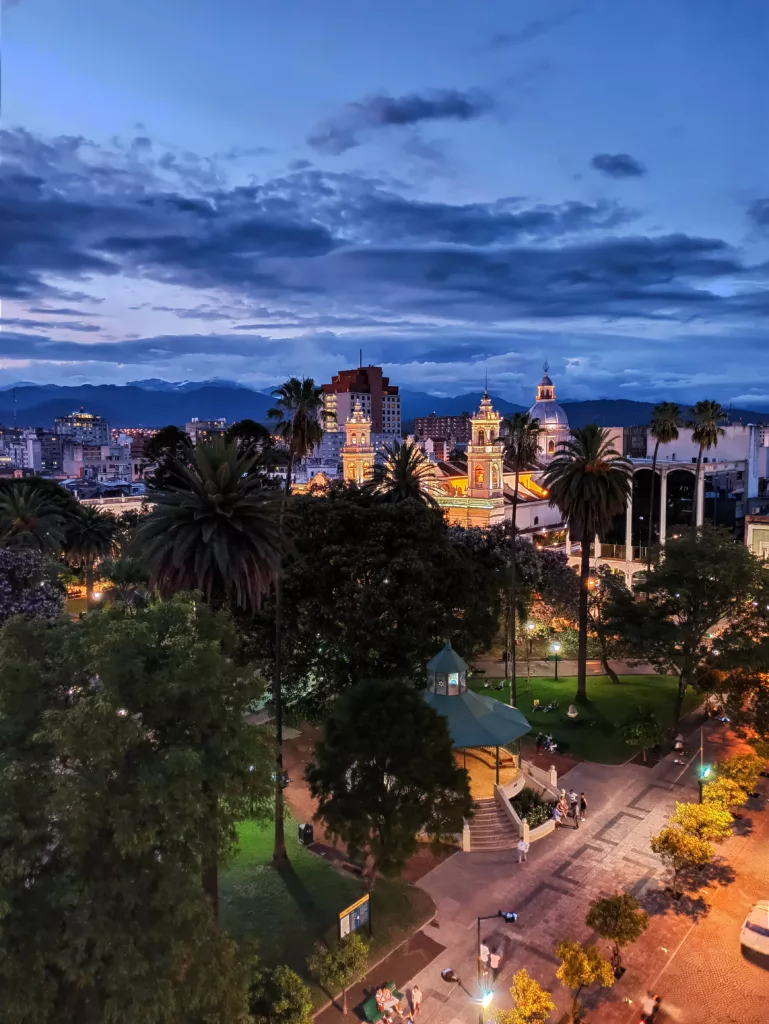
758,211
48,325
312,249
352,125
61,311
618,165
532,30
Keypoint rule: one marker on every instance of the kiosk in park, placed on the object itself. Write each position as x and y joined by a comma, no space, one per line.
478,725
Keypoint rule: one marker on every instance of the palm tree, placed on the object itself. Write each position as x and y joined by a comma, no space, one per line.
403,474
91,537
666,420
521,435
589,482
30,518
705,433
215,530
299,418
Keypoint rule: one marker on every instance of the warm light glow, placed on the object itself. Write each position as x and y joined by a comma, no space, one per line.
556,647
487,999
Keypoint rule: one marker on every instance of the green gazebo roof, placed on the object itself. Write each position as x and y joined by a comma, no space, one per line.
447,660
475,720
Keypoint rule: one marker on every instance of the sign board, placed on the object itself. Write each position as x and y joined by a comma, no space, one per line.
356,916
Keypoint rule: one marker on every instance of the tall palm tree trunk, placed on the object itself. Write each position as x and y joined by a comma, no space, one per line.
88,585
279,854
584,576
696,499
513,583
651,512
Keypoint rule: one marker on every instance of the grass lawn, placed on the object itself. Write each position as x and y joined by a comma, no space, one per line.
287,911
595,735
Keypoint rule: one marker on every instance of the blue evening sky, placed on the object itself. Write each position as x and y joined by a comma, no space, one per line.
246,189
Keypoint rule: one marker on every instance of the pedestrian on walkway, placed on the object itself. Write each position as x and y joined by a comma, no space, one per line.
523,849
557,815
416,1001
538,743
495,961
483,955
574,807
582,806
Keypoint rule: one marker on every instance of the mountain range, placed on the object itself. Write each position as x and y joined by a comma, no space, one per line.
155,403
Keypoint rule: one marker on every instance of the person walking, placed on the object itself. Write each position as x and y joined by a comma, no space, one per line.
483,955
582,806
495,961
523,850
574,807
416,1001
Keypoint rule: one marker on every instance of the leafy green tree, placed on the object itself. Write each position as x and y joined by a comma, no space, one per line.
279,996
744,769
681,850
405,473
706,821
372,590
704,580
299,418
642,731
250,435
379,787
532,1004
581,967
166,452
91,538
27,587
620,920
605,589
127,584
521,438
338,967
706,416
664,427
589,482
30,519
114,732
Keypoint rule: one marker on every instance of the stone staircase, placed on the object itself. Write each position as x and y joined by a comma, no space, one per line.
490,828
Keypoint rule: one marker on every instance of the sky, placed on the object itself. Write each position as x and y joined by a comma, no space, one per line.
250,190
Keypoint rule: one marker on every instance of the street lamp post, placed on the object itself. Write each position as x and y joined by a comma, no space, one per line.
555,647
485,994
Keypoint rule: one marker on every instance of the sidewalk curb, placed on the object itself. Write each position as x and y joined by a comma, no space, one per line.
381,960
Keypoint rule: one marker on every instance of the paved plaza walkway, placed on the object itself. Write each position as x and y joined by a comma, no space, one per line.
552,893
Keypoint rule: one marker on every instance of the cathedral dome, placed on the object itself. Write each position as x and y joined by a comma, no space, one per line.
546,409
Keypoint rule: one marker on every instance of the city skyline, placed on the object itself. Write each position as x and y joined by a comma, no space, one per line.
248,194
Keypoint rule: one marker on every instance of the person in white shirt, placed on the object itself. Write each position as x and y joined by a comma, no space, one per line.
523,849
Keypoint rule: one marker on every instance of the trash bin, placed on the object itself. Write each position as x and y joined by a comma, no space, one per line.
305,834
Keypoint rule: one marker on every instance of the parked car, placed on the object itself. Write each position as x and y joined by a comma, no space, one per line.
755,930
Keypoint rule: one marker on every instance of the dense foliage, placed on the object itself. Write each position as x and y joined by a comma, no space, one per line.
27,586
384,773
125,761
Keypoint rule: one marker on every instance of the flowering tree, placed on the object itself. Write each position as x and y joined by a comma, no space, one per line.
26,588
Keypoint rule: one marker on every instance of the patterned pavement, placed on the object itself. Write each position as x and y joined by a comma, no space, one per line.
566,871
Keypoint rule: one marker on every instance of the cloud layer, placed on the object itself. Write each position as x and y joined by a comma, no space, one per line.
617,165
320,262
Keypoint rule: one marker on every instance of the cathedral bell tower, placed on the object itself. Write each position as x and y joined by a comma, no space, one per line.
484,454
357,453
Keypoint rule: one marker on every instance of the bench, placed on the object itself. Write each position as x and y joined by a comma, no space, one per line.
370,1011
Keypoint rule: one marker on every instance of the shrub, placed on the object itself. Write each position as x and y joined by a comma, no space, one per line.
530,805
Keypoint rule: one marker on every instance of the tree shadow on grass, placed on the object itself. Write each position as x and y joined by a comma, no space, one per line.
300,894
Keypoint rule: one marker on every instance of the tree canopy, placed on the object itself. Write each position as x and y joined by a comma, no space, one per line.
372,590
112,730
27,586
532,1003
384,772
619,919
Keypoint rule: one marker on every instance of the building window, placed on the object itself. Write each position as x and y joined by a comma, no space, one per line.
536,520
479,474
551,447
481,437
494,477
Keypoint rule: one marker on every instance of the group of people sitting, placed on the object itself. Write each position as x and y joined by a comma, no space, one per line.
546,743
386,1002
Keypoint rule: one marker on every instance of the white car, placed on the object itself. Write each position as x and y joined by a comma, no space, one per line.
755,930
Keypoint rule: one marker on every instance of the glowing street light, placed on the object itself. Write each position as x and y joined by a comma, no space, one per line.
555,648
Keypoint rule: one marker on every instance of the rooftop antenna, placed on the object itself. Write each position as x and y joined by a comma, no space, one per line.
546,366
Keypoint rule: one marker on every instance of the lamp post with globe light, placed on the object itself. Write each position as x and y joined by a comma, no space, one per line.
555,648
485,994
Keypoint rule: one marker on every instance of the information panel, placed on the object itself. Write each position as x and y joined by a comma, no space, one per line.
356,916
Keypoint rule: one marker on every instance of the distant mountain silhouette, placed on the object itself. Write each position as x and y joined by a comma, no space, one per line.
156,403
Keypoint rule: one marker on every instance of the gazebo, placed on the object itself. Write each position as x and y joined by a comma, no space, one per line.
475,722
